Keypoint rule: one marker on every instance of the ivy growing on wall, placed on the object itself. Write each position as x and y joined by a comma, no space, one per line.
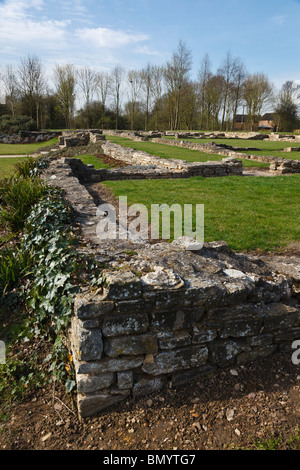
44,271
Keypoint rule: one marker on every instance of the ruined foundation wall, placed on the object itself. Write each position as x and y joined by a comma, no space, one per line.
165,314
277,164
228,166
161,330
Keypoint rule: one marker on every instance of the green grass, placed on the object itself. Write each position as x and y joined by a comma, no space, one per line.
165,151
7,165
25,149
248,213
266,147
92,160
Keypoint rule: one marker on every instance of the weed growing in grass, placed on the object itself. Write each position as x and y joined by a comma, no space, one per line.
15,263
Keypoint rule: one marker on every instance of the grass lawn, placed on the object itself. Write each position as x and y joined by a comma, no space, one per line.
92,160
165,151
24,149
247,212
266,147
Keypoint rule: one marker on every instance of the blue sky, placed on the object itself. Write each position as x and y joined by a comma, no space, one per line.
265,34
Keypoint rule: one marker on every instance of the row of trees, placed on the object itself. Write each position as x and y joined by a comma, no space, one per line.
155,97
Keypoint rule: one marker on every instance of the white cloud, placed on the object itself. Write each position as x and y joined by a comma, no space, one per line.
109,38
281,19
19,25
146,51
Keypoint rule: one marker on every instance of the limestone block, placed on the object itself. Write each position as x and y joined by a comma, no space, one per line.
89,405
122,286
172,340
145,386
93,383
225,352
90,306
279,316
130,345
120,324
205,291
175,360
125,380
239,321
287,334
203,335
87,344
108,365
176,319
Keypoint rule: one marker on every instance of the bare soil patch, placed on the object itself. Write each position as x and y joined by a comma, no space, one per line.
238,408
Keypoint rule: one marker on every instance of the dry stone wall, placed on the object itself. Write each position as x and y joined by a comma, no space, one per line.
277,165
80,137
228,166
140,135
169,316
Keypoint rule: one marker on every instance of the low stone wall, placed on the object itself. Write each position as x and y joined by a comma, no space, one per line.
26,137
167,326
277,165
80,137
143,135
175,167
235,136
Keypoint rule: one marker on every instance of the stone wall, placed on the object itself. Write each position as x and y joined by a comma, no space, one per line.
80,137
174,315
142,135
168,313
175,167
277,165
26,137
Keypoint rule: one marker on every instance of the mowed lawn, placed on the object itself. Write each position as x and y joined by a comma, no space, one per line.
7,164
92,160
247,212
25,149
167,151
268,148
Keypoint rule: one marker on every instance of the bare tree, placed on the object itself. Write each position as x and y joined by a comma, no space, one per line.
239,76
32,83
231,70
65,81
87,81
286,107
213,100
157,90
118,75
189,105
204,75
147,85
135,80
9,79
176,75
257,93
104,88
